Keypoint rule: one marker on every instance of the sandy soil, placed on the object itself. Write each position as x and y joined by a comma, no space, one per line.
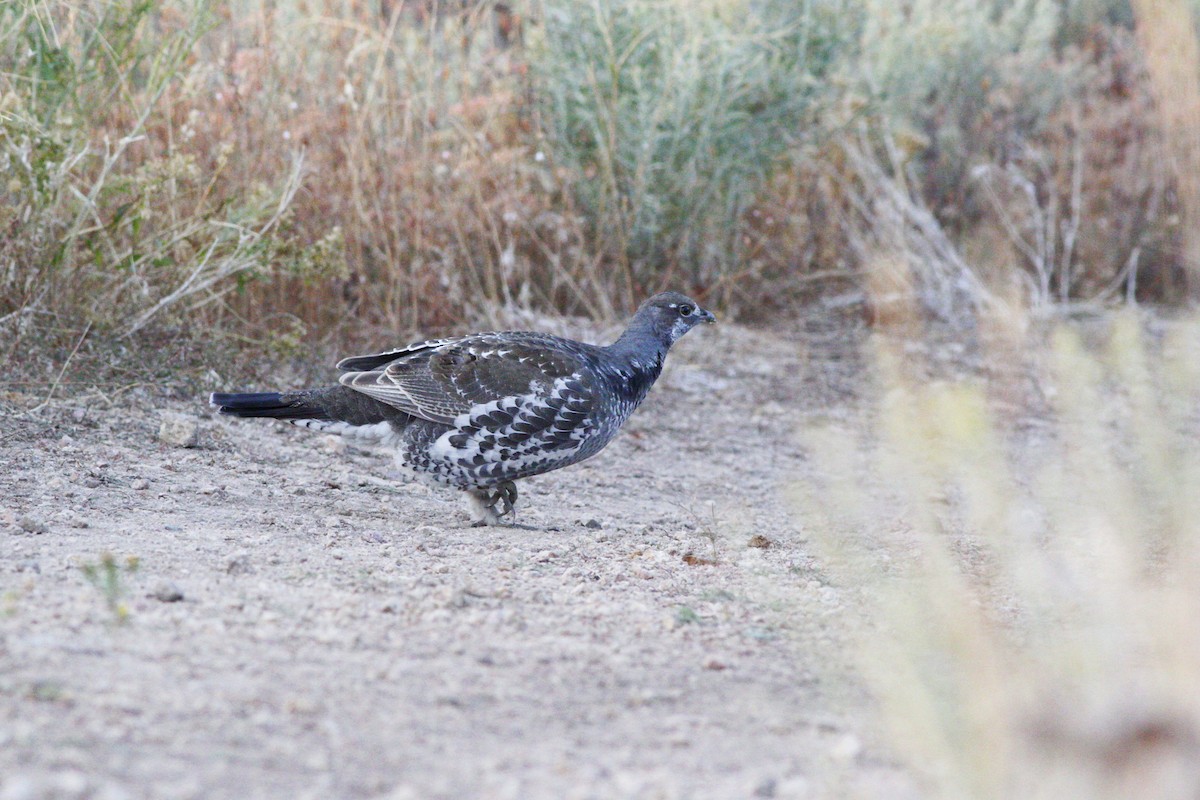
302,624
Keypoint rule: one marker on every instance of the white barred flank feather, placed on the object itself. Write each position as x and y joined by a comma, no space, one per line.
375,432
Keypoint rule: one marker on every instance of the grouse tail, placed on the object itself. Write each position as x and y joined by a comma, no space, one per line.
334,409
273,405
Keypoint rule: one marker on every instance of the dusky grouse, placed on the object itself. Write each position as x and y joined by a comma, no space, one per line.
480,411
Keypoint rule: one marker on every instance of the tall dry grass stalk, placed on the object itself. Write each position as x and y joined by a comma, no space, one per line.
1167,32
421,159
111,220
1025,576
888,217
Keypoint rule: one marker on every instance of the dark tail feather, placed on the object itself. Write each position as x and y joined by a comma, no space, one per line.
268,404
337,403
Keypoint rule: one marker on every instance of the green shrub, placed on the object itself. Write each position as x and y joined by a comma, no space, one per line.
669,118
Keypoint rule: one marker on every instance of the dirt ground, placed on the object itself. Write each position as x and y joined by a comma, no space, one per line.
301,623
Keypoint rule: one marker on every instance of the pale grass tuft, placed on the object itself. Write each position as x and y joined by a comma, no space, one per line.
1027,591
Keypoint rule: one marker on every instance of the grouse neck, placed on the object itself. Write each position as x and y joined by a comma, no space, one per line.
640,347
636,361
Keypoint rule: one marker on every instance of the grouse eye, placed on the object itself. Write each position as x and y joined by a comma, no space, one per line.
685,310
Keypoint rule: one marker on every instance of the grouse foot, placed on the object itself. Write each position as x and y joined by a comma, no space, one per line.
484,502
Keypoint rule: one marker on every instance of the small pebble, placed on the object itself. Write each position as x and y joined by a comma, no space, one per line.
139,484
167,592
69,784
768,788
31,525
239,564
797,786
760,541
846,748
19,787
594,524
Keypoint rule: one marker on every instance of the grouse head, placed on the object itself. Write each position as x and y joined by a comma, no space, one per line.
662,319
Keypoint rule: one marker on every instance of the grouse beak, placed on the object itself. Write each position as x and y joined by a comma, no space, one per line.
706,316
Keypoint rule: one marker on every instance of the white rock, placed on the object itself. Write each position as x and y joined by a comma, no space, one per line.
178,430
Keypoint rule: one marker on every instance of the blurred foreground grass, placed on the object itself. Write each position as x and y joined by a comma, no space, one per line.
1024,552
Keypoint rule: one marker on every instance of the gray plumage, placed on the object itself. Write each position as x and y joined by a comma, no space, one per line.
478,412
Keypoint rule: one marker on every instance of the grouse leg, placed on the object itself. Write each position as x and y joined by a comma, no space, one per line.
484,502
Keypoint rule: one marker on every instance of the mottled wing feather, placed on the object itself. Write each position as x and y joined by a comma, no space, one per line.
373,384
440,382
377,360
